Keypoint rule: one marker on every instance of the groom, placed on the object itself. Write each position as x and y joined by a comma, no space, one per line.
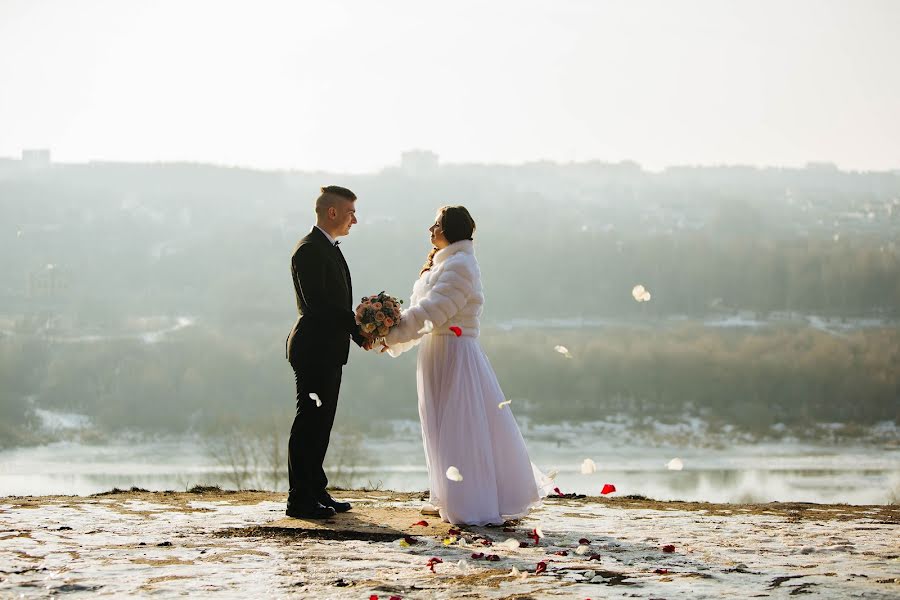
317,349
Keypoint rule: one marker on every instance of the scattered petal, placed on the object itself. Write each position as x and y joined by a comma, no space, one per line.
523,544
487,543
584,541
420,524
540,568
492,557
410,540
645,297
509,544
449,540
561,553
456,330
661,571
637,292
514,573
453,474
535,536
477,555
434,560
558,491
504,403
404,544
675,464
595,557
315,397
563,350
463,566
608,489
588,466
509,529
582,550
551,475
668,548
453,531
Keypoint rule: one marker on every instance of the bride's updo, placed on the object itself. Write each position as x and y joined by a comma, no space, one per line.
456,224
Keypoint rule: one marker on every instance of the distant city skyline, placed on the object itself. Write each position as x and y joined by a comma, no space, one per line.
349,86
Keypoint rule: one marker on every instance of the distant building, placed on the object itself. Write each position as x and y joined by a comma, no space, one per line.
36,159
419,162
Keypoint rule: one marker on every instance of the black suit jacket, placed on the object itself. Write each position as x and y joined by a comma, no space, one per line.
322,334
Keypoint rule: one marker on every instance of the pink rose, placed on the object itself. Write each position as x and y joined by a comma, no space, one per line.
376,305
379,316
389,322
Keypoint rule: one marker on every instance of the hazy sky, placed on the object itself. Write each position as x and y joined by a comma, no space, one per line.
346,85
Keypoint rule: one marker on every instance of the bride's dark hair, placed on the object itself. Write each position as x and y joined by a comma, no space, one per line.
457,224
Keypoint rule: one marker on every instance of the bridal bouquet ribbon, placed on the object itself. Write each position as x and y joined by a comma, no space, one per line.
376,315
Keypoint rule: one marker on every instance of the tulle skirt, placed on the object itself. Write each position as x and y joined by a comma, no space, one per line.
463,426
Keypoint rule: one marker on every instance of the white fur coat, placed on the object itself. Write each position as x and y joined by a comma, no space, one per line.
448,295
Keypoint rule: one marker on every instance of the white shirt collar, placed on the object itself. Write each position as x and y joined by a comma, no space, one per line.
330,239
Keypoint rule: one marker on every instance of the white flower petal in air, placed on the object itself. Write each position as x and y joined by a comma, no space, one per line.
582,550
509,544
645,297
675,464
428,327
453,474
504,403
637,292
315,397
563,350
588,467
552,474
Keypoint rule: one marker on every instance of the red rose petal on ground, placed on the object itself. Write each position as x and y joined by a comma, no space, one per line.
534,536
558,492
373,597
395,598
608,489
486,543
477,555
509,529
420,524
595,557
434,560
410,540
584,542
669,548
661,571
493,557
454,531
541,567
561,553
523,544
456,330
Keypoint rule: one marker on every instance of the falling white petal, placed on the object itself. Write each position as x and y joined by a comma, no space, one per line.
563,350
588,467
453,474
637,292
675,464
504,403
551,475
315,397
582,550
645,297
509,544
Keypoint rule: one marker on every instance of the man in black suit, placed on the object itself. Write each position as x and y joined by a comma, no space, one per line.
317,349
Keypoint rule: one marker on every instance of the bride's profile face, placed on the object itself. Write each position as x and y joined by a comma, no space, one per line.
437,234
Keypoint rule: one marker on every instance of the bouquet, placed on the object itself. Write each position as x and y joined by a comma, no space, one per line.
376,315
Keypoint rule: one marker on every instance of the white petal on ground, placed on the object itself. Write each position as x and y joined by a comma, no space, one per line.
582,550
510,544
315,397
675,464
514,573
563,350
588,467
637,292
453,474
463,566
504,403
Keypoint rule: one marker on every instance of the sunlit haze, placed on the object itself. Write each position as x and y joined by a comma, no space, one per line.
348,86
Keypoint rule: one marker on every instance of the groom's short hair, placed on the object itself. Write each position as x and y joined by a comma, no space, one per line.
331,195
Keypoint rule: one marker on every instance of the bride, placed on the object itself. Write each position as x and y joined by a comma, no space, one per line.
478,467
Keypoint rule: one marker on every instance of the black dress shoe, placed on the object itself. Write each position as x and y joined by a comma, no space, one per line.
310,511
335,504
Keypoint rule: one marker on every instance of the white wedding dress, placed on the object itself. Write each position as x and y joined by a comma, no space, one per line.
464,424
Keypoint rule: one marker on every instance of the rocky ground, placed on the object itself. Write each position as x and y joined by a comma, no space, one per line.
239,544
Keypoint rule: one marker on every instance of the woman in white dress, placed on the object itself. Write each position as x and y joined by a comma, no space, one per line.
465,422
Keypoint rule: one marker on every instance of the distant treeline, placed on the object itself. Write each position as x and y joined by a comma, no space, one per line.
200,378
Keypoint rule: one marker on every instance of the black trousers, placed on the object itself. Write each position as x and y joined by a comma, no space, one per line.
311,431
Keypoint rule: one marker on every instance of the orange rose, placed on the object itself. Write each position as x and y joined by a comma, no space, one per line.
389,322
376,305
379,316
